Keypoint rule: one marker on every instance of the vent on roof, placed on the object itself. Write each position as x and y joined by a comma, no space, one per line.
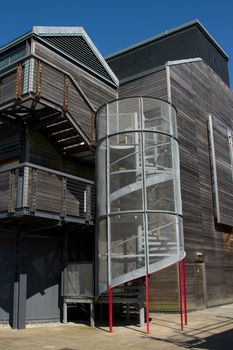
77,48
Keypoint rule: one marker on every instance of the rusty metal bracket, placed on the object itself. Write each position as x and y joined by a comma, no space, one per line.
64,197
33,190
66,94
39,78
12,192
18,87
93,138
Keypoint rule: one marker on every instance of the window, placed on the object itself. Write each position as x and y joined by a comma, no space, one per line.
12,56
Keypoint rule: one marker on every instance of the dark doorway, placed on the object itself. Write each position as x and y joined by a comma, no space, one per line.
200,285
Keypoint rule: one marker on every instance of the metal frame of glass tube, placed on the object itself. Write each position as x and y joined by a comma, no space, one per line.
139,215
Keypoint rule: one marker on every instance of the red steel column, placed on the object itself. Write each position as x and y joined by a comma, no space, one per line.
147,305
181,299
110,307
185,298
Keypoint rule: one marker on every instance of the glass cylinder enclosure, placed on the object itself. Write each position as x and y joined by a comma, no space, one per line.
139,214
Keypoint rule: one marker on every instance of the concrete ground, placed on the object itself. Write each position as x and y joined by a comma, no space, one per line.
210,329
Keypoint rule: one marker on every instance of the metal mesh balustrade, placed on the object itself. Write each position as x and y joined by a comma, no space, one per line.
138,190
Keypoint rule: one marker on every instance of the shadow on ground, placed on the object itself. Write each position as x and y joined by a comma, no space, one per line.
193,337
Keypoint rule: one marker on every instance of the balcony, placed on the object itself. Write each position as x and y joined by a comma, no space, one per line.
49,99
31,190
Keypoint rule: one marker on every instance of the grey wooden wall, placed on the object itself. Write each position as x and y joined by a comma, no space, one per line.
196,91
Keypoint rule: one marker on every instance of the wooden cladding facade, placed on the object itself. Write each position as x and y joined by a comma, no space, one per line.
197,91
96,91
220,138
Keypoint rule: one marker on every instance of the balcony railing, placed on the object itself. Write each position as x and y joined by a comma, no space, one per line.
32,189
34,77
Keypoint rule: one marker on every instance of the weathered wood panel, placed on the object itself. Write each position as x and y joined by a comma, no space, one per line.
197,91
96,91
8,87
9,143
163,290
4,191
222,170
48,192
42,152
154,85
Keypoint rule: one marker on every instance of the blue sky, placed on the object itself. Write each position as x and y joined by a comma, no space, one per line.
113,25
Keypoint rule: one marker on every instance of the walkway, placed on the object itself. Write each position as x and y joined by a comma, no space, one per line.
210,329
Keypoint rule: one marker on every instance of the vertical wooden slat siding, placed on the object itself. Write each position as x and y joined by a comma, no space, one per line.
163,290
4,191
9,144
196,92
42,152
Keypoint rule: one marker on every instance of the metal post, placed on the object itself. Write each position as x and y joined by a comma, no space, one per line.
109,225
181,299
184,290
145,214
141,313
92,314
64,310
147,305
110,307
127,312
20,287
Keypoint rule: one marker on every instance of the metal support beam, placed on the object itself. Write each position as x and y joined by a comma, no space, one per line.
92,314
184,290
141,312
110,308
147,305
20,287
181,296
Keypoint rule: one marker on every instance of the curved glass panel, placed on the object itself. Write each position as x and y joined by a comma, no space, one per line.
138,189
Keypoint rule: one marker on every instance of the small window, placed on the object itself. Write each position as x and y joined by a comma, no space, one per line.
214,59
12,57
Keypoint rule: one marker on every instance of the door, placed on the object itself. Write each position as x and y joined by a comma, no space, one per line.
200,285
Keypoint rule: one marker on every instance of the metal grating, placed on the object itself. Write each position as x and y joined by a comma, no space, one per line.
77,48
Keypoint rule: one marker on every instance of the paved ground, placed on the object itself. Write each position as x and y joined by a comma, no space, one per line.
210,329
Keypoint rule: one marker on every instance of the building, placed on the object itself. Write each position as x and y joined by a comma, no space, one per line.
53,82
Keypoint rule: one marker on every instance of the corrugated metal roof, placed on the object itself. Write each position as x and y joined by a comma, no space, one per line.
77,48
75,43
65,39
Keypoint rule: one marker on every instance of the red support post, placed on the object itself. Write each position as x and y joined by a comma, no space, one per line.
185,298
110,307
147,305
181,299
